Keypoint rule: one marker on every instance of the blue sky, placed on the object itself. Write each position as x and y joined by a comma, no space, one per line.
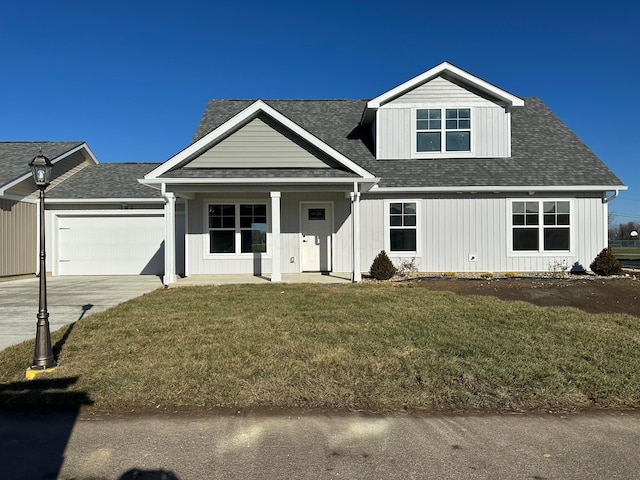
132,78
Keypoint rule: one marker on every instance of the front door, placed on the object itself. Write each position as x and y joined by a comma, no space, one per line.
317,224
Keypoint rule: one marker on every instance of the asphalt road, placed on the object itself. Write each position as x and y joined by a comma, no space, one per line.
321,446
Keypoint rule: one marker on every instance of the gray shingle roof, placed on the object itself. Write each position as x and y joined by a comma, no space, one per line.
107,180
15,156
544,151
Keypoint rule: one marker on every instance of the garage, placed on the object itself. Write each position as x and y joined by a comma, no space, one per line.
110,244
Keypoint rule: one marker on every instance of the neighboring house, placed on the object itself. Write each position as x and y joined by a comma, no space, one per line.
445,171
19,198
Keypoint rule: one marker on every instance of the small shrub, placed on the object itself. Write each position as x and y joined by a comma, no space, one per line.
577,269
407,266
511,275
487,275
382,267
450,274
606,263
558,267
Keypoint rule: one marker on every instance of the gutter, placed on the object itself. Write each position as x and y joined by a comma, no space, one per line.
531,189
244,181
103,200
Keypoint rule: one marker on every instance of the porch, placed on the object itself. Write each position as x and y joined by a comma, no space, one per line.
306,277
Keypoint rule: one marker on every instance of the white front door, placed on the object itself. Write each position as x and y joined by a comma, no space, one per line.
317,226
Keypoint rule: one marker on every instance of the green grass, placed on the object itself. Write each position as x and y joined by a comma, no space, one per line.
379,347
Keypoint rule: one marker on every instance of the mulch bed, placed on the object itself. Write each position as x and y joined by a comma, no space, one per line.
620,294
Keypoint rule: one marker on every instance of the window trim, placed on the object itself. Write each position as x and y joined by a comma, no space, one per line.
443,153
388,227
540,252
237,229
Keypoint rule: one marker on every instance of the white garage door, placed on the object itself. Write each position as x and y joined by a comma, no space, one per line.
111,245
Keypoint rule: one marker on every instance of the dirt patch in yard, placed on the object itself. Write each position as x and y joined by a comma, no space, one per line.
590,294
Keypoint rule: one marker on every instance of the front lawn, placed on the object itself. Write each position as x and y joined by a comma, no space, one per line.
380,347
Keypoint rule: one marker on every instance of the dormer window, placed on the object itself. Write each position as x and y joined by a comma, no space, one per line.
431,136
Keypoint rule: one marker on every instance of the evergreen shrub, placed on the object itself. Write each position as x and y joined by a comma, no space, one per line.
382,267
606,263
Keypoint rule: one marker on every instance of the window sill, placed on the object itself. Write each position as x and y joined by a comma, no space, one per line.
209,256
437,155
538,253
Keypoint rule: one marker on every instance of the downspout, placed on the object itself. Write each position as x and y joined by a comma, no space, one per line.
606,199
605,206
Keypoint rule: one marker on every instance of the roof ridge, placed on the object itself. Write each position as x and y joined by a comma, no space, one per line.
42,141
289,99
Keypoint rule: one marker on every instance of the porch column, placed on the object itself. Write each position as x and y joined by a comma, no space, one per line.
276,266
356,275
169,238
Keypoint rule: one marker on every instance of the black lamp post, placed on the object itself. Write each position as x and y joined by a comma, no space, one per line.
43,354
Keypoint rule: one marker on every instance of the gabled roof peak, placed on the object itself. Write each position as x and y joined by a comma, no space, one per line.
241,118
446,68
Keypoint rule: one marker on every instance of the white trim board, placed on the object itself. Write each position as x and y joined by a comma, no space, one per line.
500,189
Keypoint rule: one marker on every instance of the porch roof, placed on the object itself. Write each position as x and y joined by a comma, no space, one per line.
258,173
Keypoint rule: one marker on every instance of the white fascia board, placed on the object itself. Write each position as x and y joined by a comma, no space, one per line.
500,189
17,198
445,67
64,201
82,146
255,181
257,107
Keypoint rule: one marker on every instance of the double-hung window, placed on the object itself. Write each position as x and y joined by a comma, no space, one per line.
441,130
541,226
237,228
402,227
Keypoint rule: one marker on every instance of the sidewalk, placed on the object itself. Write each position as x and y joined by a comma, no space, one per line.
321,446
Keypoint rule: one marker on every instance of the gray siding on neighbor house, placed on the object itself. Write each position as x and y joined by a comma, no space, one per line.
490,123
451,228
258,144
18,237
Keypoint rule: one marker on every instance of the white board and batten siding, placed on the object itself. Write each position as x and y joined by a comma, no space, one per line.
490,122
258,144
471,234
197,238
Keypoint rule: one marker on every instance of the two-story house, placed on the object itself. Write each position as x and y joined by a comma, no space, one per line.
446,171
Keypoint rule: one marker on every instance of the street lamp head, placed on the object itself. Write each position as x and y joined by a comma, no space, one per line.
41,170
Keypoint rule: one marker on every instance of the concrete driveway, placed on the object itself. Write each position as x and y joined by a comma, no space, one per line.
69,299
